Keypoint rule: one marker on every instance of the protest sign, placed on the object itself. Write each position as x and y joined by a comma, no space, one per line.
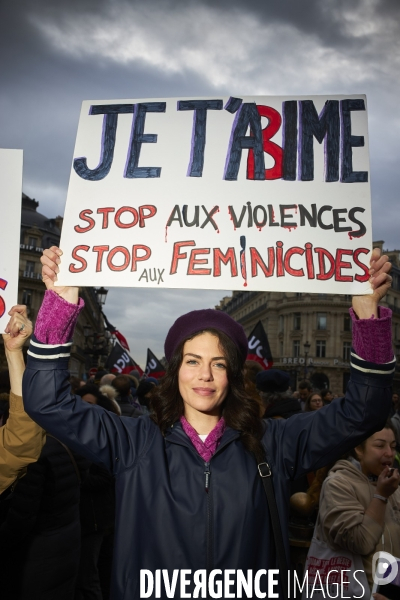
255,193
11,194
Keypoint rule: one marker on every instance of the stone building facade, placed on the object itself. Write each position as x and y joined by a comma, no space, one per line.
37,233
310,334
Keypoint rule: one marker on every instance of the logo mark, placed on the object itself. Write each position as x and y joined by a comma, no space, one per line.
384,568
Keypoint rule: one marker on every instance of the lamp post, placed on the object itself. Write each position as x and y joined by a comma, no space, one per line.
306,347
101,294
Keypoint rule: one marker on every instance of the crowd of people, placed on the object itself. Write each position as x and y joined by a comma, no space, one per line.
121,473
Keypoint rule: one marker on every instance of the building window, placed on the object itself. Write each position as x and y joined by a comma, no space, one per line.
321,321
30,266
347,323
346,351
299,295
27,297
280,330
281,348
297,321
296,348
32,242
320,349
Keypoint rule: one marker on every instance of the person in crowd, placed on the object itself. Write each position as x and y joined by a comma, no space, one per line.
395,403
313,402
188,490
91,394
40,532
273,386
107,379
144,393
21,439
359,505
122,384
326,396
97,513
304,390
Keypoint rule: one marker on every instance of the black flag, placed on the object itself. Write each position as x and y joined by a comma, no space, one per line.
259,349
153,366
120,361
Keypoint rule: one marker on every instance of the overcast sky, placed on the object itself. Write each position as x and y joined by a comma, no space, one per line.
56,53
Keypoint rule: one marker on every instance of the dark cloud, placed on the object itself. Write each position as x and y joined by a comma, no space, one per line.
56,54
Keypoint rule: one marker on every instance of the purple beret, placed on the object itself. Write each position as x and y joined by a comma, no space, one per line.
199,320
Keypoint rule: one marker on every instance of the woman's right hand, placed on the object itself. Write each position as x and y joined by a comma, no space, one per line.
386,486
50,260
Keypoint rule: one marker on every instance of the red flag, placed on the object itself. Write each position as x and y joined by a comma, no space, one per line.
121,338
121,362
259,349
154,368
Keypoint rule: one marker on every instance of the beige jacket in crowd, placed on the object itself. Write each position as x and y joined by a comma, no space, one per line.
21,441
343,523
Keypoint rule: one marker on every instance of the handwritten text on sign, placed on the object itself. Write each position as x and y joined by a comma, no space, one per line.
257,192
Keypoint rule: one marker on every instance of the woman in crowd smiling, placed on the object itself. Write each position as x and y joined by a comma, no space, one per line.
188,491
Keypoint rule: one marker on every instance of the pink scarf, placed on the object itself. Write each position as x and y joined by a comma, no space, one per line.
205,449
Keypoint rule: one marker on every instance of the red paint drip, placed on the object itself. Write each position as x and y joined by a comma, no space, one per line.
166,233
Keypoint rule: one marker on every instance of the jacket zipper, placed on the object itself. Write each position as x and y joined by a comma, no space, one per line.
209,524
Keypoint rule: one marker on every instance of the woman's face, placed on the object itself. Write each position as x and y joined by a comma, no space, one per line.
203,379
316,402
379,450
89,398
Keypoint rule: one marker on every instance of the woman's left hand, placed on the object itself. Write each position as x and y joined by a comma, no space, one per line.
18,329
380,266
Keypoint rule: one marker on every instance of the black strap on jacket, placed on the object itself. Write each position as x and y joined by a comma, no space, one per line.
266,477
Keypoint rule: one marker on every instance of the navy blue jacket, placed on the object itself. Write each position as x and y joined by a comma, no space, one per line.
165,517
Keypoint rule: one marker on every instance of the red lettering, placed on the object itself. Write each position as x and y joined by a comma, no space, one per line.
365,268
105,212
341,264
128,209
274,123
3,285
309,261
100,251
193,261
111,255
84,216
219,257
73,268
322,254
136,258
142,216
176,255
257,261
288,255
279,260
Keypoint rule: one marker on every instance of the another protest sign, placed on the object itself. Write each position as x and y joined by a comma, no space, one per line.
256,193
11,194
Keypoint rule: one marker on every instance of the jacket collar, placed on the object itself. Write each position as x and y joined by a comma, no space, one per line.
176,435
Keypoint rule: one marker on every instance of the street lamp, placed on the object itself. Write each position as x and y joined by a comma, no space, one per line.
101,294
306,347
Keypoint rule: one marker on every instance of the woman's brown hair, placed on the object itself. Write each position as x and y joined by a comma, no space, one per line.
239,409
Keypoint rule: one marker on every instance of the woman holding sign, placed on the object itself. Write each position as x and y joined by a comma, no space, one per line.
192,518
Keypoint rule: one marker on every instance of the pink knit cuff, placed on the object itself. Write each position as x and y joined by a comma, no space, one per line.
56,319
372,338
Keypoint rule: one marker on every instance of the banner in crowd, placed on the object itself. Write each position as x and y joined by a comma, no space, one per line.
114,331
10,194
254,193
154,368
259,349
120,361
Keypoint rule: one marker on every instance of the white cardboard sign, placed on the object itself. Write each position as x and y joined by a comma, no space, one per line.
10,200
255,193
